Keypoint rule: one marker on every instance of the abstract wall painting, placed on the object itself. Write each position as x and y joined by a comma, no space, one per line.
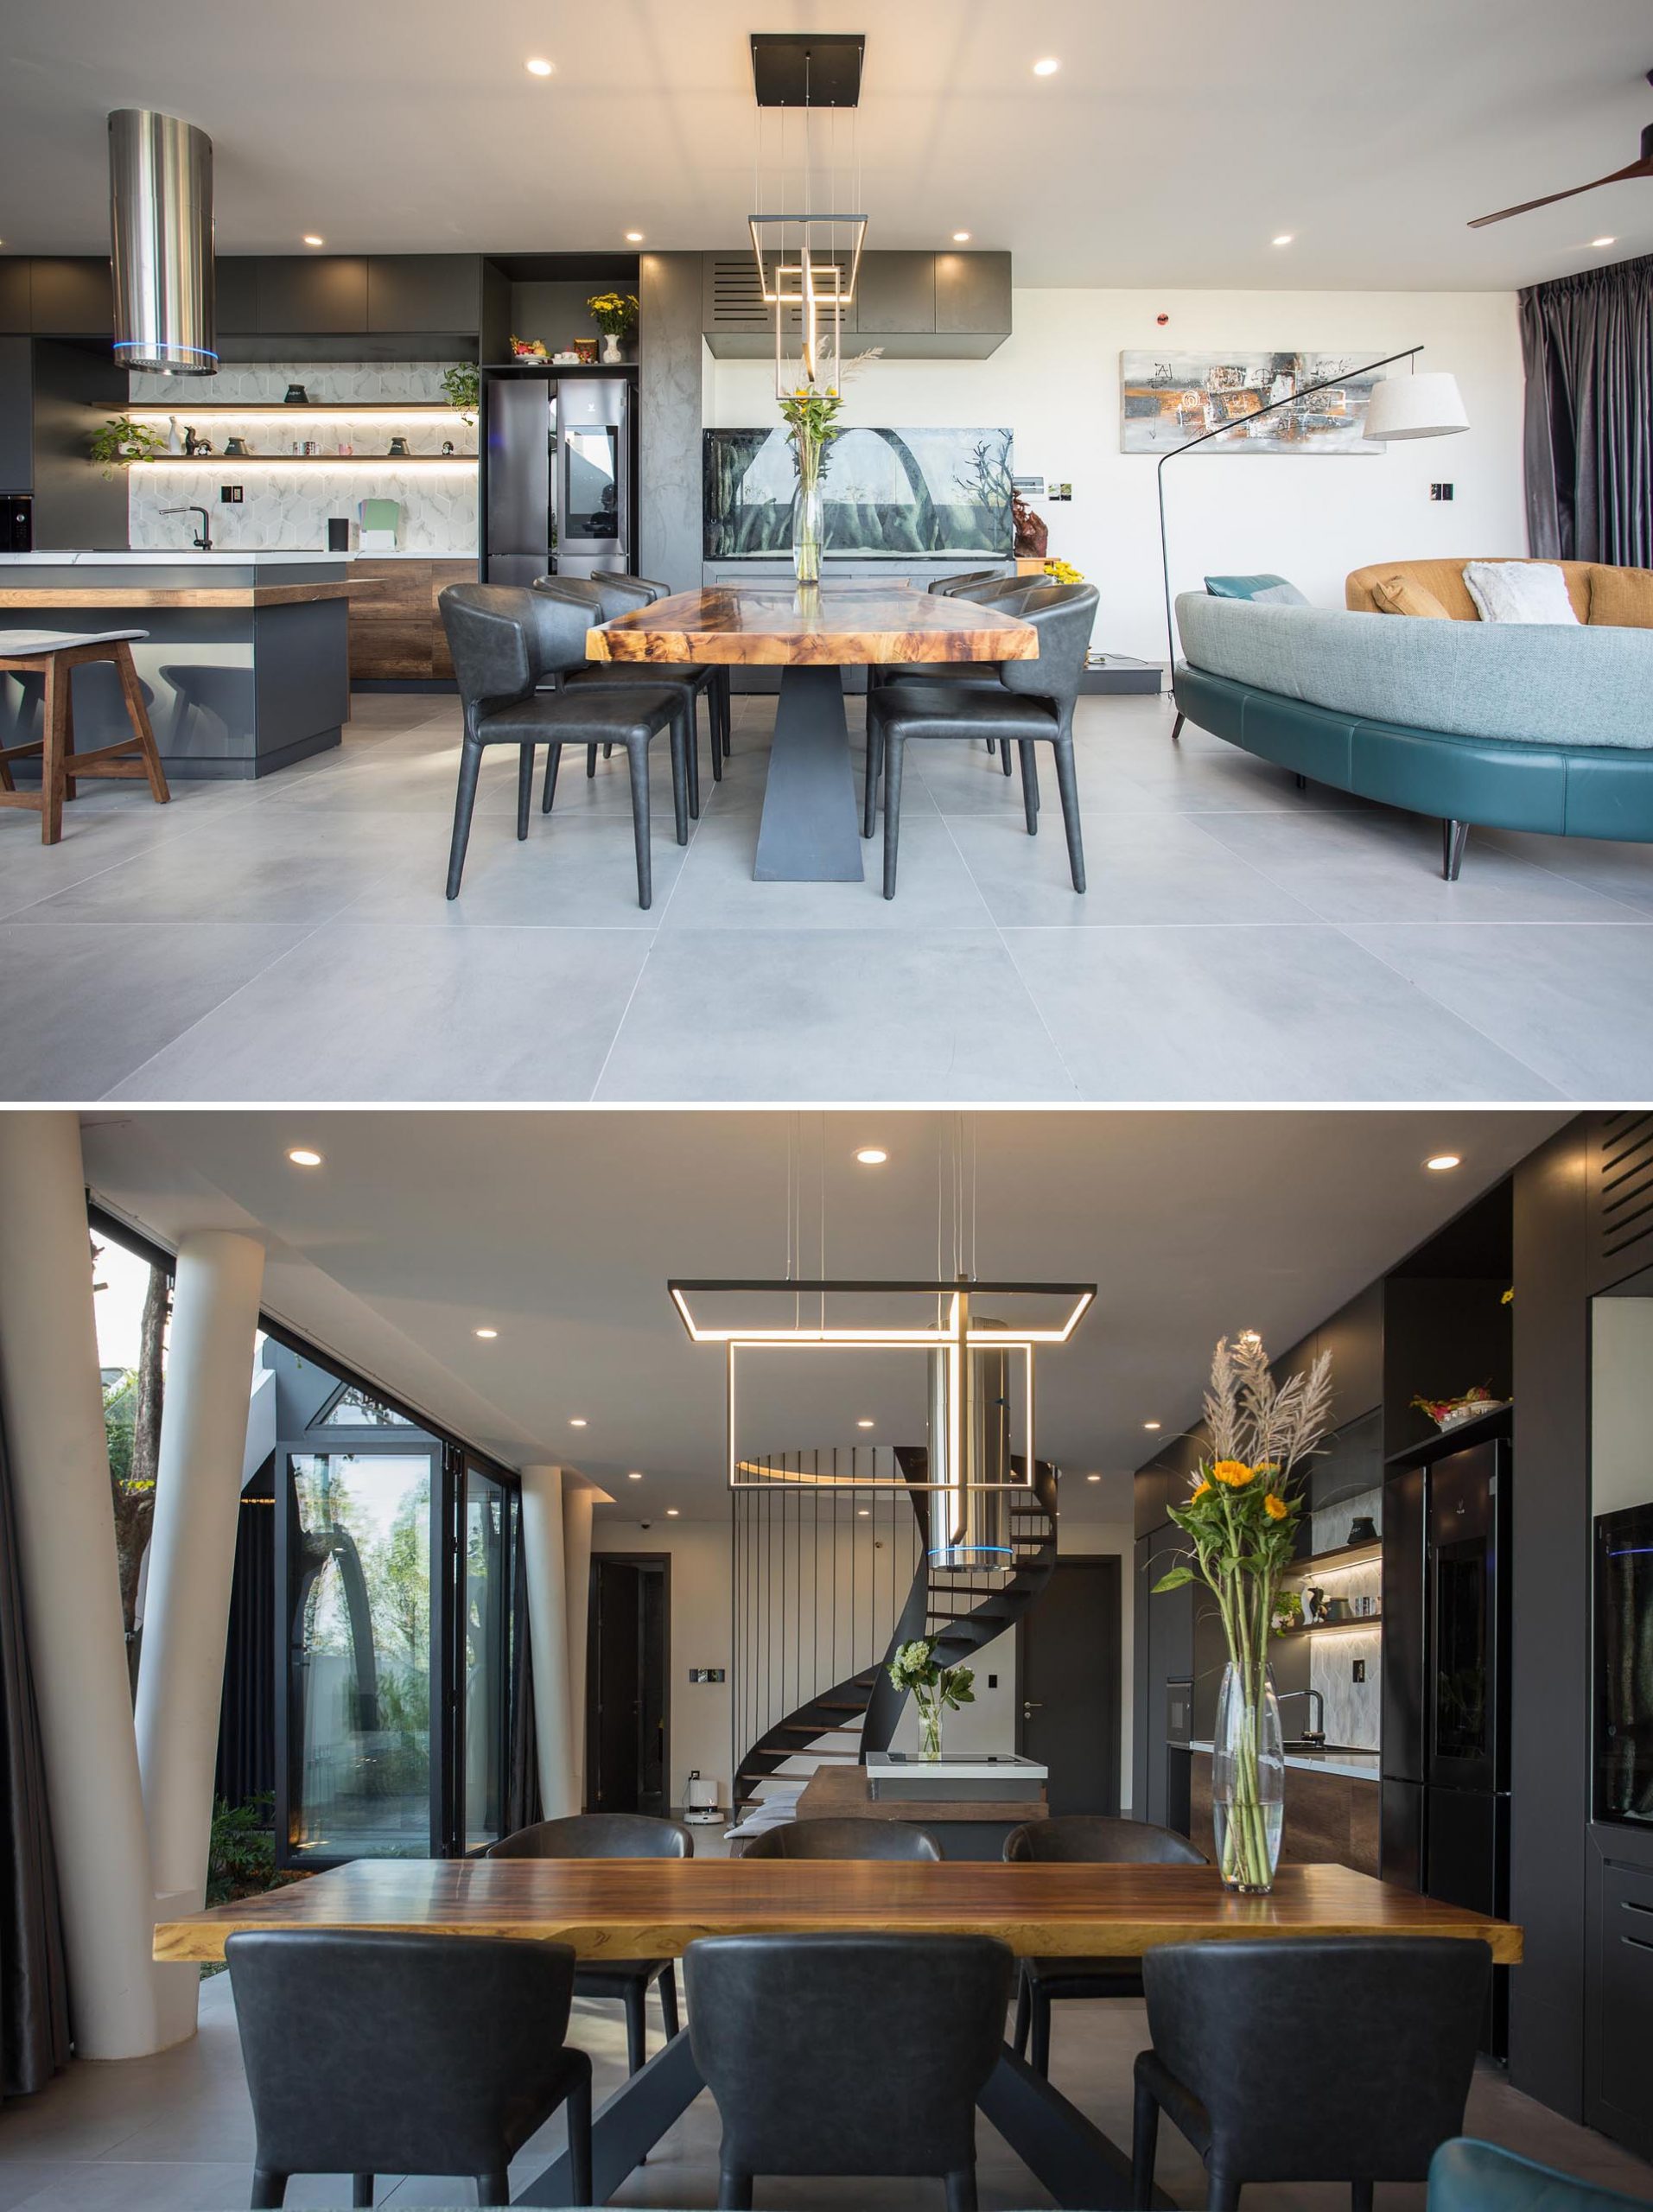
1166,399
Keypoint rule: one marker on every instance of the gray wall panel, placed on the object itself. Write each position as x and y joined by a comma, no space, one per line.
669,411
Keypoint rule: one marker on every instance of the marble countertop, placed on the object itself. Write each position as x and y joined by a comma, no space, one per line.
1358,1766
172,558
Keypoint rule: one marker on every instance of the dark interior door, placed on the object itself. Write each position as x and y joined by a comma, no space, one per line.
1068,1660
627,1665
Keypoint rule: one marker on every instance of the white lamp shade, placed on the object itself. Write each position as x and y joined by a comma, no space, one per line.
1427,406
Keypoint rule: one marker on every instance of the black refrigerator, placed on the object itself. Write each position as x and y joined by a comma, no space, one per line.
1446,1607
559,493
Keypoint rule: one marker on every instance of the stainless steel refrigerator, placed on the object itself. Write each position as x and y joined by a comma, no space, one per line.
560,492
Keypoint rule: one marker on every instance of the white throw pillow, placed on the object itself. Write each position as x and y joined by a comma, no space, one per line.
1519,591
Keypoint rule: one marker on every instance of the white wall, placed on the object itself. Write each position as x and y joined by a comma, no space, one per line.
1056,384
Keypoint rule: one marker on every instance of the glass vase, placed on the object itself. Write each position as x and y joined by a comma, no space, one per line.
809,523
1248,1779
928,1731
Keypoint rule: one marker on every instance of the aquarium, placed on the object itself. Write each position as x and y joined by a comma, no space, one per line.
890,494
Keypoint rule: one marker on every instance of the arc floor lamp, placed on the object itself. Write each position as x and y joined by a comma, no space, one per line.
1427,406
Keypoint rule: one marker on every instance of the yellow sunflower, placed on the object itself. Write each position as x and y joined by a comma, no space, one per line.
1204,1490
1234,1473
1275,1506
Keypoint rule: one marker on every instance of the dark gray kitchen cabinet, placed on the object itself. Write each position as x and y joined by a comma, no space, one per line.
424,291
16,414
71,298
319,293
236,283
973,295
14,296
895,291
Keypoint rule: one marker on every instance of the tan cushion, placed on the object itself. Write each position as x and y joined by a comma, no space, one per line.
1400,594
1444,579
1621,598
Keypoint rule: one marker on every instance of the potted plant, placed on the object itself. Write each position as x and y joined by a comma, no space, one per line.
615,315
463,386
934,1689
120,441
811,411
1241,1519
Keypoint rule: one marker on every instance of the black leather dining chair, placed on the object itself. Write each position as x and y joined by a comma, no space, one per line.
847,2054
1334,2058
843,1838
945,587
646,593
604,599
381,2052
510,647
1033,704
612,1835
1091,1840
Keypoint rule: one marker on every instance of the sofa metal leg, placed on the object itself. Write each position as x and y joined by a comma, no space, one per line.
1176,727
1454,836
1301,782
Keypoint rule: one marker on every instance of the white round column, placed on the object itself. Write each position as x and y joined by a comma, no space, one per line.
53,1400
544,1563
192,1568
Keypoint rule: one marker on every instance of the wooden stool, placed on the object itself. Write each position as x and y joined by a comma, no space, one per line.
53,655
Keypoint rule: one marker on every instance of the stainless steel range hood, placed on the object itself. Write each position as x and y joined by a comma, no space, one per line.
161,234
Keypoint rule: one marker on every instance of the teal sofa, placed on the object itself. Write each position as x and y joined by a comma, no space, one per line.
1465,2176
1512,726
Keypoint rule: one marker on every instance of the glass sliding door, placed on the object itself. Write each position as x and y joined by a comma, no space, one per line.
360,1533
484,1658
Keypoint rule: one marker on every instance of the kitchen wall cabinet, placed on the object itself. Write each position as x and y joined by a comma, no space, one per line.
235,278
896,292
973,295
914,305
72,297
14,297
412,292
16,414
322,293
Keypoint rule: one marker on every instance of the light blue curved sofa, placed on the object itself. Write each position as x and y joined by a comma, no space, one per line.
1515,726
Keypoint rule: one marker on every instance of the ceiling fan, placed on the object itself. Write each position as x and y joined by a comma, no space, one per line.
1642,168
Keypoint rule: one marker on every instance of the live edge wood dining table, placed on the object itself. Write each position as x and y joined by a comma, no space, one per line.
652,1908
811,830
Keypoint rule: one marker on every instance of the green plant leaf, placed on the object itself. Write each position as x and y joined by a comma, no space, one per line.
1173,1580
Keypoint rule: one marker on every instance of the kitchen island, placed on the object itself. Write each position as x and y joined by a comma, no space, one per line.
1332,1801
244,668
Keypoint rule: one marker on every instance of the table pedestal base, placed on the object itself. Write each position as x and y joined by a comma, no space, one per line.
1076,2163
811,829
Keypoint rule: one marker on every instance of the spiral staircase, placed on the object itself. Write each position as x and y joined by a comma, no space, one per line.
959,1611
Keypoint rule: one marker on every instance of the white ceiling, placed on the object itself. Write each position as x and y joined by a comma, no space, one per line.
1173,144
560,1230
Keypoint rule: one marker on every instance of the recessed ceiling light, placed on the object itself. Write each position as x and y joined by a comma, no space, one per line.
487,1335
634,237
671,1513
871,1156
1285,238
578,1421
861,1512
539,66
961,238
635,1476
1604,241
1150,1424
1438,1162
1093,1478
863,1424
1047,67
310,238
301,1156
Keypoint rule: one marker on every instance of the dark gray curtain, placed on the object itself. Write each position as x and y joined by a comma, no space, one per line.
521,1805
34,1983
1588,341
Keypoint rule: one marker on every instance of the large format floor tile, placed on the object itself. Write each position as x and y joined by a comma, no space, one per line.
1240,939
832,1013
1263,1013
368,1010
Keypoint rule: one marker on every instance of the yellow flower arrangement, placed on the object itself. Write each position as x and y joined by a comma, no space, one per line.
1234,1474
1063,572
1275,1506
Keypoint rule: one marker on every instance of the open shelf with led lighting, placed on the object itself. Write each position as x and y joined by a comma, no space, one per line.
163,408
1342,1555
1331,1628
308,460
